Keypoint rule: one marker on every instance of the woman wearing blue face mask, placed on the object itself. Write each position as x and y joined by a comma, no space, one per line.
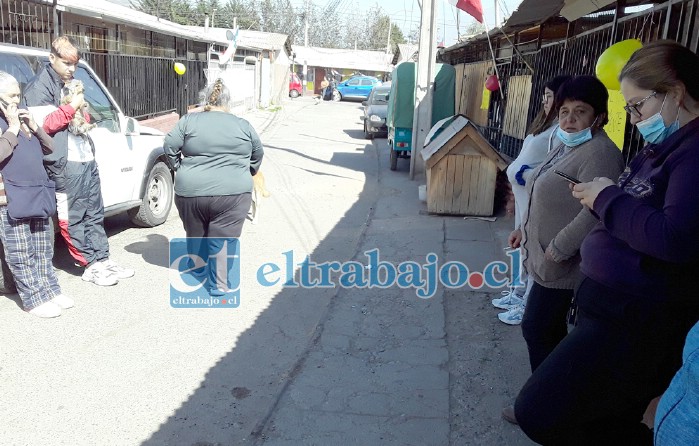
636,301
556,223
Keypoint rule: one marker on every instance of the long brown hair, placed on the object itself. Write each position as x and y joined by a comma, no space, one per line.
543,120
660,65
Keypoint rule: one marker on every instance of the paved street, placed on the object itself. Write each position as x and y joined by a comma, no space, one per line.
290,365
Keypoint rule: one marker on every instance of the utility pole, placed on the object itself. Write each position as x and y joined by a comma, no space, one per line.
305,25
388,42
497,14
458,28
422,119
305,44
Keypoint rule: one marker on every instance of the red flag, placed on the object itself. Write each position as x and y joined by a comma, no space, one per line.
472,7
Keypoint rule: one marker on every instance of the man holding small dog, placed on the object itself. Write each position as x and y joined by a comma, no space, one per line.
72,166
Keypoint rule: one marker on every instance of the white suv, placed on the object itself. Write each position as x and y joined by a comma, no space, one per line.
133,170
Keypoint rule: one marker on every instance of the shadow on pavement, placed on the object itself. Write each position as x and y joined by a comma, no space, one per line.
238,400
153,250
356,134
242,385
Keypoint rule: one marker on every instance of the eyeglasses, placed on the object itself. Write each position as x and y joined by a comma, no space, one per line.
634,109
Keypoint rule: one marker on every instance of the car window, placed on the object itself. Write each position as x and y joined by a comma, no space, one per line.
379,97
353,82
102,111
18,66
367,82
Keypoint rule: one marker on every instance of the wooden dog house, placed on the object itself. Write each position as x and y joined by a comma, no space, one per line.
461,169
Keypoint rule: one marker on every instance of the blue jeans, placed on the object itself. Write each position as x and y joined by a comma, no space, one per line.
677,416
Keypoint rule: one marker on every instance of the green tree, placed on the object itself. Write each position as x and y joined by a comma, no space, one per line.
245,13
203,8
396,36
178,11
324,28
473,29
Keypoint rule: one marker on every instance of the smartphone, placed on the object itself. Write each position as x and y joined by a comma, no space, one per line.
566,176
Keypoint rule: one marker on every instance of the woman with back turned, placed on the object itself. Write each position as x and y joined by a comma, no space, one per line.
215,154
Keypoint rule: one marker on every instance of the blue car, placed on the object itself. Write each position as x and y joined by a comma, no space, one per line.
356,87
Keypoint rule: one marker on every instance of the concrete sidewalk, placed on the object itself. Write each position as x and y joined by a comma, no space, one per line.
387,367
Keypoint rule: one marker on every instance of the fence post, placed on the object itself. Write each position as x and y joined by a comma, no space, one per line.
618,13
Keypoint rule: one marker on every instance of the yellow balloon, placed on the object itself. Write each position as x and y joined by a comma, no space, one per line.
180,68
613,59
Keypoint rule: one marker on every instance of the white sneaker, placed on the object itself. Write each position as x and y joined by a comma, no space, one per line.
98,274
46,310
121,273
508,300
513,316
63,301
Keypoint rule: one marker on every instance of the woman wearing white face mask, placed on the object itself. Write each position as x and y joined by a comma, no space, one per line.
637,298
556,223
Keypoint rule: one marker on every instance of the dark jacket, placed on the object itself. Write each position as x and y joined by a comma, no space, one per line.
214,153
45,89
647,242
21,165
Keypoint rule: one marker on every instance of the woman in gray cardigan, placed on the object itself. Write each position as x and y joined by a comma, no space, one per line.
556,223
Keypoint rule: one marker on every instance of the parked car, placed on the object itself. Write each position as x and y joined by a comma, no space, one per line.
295,88
356,87
375,110
132,164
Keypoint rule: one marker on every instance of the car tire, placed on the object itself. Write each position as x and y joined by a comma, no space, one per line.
337,96
394,159
294,94
157,198
367,135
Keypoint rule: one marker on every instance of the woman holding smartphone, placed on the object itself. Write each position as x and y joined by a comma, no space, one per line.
540,140
637,299
27,201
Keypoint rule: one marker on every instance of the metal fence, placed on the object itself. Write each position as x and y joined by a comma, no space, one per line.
576,55
24,23
147,86
143,86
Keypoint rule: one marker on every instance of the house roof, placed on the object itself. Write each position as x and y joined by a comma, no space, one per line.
103,9
448,133
405,52
531,13
254,40
343,58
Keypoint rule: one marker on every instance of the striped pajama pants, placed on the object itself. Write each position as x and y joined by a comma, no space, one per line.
29,254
